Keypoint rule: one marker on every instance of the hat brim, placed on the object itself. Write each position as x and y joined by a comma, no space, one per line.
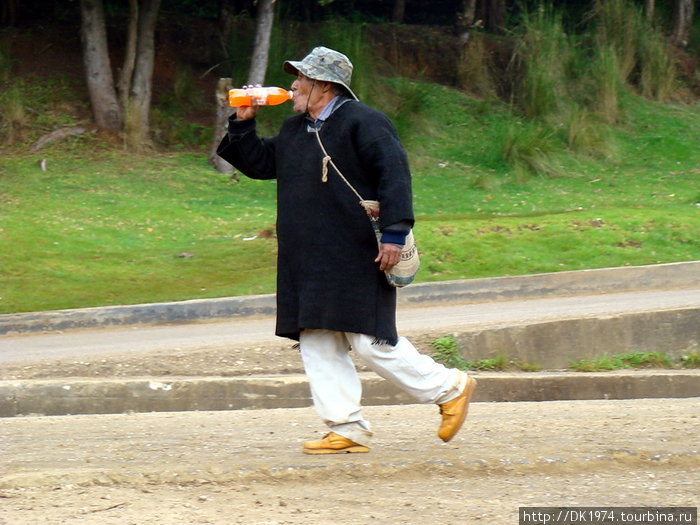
294,68
291,67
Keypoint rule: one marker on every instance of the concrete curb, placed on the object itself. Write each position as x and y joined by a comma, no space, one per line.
606,280
170,394
555,344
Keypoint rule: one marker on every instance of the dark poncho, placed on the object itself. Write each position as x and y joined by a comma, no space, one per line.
326,274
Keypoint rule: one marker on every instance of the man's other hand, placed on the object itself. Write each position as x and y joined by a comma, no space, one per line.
389,256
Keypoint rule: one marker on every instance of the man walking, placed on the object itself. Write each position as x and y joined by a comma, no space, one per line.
332,294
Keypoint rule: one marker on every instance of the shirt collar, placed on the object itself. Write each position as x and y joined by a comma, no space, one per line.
326,112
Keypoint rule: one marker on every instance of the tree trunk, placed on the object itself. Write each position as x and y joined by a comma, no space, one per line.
649,9
465,19
261,50
399,11
139,105
98,68
127,74
496,21
682,22
225,26
223,110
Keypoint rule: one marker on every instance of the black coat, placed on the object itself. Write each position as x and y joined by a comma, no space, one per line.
327,277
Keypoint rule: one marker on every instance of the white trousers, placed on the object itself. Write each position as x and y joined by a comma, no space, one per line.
336,389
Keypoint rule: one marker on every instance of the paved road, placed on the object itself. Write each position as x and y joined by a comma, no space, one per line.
259,330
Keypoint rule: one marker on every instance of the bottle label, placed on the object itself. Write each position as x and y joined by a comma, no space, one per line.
258,94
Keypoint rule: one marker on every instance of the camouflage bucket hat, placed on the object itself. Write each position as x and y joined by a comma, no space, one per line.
326,65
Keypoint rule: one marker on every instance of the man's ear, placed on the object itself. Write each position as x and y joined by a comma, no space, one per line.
326,86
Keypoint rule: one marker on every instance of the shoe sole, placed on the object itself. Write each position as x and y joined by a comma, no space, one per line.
348,450
469,392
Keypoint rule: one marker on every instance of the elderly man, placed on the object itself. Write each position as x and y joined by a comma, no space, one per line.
332,294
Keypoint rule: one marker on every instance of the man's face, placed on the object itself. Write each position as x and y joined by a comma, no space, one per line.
303,93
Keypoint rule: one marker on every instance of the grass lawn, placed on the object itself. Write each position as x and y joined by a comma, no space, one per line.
103,227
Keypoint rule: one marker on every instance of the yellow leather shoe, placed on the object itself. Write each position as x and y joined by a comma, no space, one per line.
455,412
333,443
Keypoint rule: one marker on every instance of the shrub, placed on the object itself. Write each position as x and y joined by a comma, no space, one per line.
606,84
641,51
528,148
447,353
542,56
617,26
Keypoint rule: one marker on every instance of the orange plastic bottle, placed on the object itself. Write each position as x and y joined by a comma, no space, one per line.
264,96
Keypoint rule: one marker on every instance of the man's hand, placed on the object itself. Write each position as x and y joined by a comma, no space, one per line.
247,112
389,256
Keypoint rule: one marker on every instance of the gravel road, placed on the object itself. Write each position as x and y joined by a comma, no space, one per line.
246,466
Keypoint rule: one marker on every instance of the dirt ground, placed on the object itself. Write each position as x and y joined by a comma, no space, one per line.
417,499
246,466
233,360
229,360
225,360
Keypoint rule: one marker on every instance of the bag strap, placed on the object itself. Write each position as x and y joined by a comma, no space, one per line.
324,168
371,207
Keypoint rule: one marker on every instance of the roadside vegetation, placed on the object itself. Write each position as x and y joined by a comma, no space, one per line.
588,163
447,351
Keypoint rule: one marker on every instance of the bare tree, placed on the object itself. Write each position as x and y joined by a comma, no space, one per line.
261,49
129,112
138,106
682,22
127,73
98,69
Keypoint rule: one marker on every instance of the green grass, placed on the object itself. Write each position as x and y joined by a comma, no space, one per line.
112,230
691,360
448,353
103,227
624,361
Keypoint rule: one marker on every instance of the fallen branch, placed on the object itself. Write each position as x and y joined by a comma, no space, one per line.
57,135
106,508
